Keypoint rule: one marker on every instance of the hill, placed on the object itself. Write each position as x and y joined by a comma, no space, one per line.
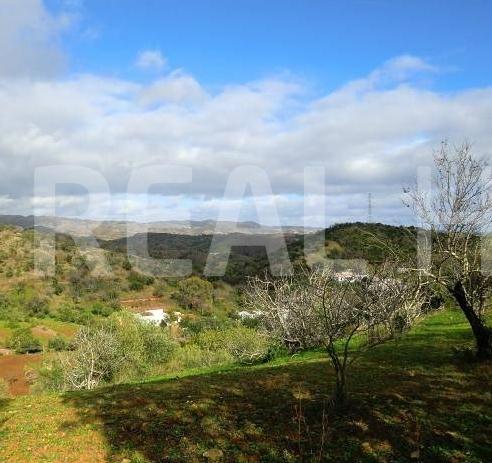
115,229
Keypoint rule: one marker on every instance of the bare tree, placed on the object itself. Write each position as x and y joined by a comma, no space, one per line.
315,309
96,357
457,213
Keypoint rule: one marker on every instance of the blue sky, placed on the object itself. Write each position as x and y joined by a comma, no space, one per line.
362,91
324,42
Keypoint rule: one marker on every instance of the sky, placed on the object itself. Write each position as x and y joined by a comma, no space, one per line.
287,109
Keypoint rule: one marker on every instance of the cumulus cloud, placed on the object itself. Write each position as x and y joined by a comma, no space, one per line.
29,39
151,60
174,88
369,135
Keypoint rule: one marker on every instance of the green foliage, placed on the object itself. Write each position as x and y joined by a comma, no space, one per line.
244,345
37,307
120,348
57,287
193,356
22,342
58,344
194,293
193,326
143,344
101,309
50,376
137,281
73,313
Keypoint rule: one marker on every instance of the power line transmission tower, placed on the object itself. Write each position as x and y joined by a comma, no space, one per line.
369,207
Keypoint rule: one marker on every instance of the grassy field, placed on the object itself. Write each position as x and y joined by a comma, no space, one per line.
415,401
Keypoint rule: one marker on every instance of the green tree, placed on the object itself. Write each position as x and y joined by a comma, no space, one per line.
194,293
23,342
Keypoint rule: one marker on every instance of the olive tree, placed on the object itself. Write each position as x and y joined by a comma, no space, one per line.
457,213
315,309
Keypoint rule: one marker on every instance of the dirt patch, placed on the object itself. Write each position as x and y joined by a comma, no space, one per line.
13,371
41,331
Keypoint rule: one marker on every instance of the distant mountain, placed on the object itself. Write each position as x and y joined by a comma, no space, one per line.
112,229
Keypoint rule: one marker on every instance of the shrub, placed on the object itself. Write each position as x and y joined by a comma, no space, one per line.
137,281
196,325
118,349
73,314
127,265
22,342
50,376
96,358
194,293
58,344
145,345
103,310
193,356
245,345
37,307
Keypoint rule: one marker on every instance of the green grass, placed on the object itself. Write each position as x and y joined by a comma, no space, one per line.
410,401
53,328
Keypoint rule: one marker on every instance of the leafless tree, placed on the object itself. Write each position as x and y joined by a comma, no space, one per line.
97,355
315,309
457,213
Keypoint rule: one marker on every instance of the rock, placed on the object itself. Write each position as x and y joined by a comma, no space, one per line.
213,454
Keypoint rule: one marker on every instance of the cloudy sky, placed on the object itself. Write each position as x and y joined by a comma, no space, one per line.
316,104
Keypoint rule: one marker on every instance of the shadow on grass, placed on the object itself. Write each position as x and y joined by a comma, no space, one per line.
4,403
244,414
253,415
409,403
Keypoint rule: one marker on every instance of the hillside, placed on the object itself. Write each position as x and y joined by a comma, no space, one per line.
115,229
413,403
369,241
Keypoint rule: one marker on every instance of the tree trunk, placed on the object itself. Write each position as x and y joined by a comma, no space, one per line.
483,334
340,394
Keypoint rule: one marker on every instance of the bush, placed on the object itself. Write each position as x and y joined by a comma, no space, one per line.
196,325
73,314
96,359
120,348
137,281
193,356
50,376
245,345
58,344
194,293
103,310
145,345
22,342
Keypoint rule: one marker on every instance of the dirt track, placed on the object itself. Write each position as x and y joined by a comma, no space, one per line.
12,370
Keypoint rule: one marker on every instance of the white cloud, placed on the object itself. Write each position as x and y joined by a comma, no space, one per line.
370,135
151,59
174,88
29,39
